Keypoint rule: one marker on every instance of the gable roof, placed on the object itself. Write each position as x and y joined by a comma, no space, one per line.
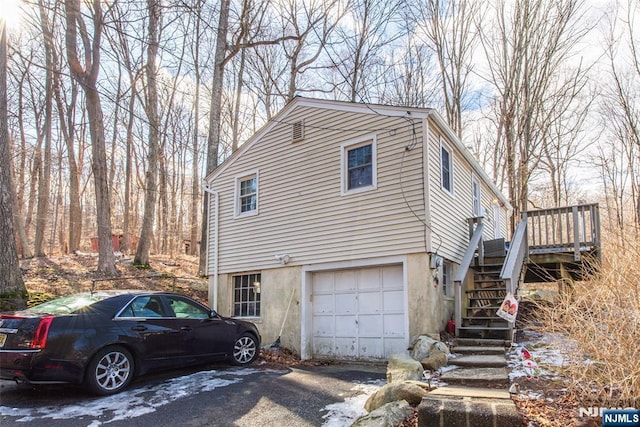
373,109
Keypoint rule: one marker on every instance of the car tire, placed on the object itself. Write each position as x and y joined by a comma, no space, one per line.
245,350
110,371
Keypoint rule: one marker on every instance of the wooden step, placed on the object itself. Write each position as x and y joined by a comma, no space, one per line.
484,328
481,361
486,289
473,349
479,342
485,377
484,307
481,298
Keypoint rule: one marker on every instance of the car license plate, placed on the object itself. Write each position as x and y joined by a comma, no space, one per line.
3,339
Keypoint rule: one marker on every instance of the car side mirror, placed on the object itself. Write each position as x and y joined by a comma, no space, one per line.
213,314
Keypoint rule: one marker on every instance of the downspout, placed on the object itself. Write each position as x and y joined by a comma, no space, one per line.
214,290
426,157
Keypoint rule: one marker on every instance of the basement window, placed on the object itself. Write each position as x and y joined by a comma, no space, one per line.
246,295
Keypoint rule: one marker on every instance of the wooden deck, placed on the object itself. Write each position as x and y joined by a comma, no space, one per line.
562,242
548,245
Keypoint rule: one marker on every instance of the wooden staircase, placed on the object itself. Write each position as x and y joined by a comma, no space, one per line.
545,242
483,299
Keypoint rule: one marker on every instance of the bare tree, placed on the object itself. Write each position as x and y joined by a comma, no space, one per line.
13,293
533,41
44,179
87,76
357,52
151,106
621,107
447,27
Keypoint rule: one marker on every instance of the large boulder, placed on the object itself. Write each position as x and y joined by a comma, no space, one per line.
436,360
422,346
402,367
388,415
411,391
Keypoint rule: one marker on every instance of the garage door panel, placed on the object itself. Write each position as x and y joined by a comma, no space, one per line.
372,347
346,326
323,326
393,325
393,301
369,302
369,278
346,303
323,282
323,304
323,347
369,326
392,277
345,280
346,347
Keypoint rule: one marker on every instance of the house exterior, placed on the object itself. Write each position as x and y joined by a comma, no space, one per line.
338,227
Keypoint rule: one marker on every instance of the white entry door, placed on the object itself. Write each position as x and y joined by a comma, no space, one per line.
359,313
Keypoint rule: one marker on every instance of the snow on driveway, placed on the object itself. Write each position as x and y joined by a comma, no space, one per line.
144,400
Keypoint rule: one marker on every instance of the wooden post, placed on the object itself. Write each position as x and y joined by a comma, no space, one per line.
576,234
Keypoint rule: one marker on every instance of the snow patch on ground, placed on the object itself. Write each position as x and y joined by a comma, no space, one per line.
548,350
140,401
344,413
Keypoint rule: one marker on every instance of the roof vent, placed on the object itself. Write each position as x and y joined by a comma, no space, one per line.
298,131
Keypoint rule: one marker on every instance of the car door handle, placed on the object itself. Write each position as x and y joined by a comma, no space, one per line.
139,328
185,328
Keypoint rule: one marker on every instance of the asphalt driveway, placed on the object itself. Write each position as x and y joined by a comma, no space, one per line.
217,395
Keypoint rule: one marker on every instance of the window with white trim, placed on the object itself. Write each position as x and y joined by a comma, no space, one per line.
359,171
247,195
446,167
246,295
477,197
447,274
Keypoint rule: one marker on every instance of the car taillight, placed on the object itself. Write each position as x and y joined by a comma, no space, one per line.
40,337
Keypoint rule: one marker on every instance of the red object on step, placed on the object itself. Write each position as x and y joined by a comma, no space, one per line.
451,326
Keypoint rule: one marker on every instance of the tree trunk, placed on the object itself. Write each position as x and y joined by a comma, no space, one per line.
213,141
13,293
87,78
44,181
146,233
126,226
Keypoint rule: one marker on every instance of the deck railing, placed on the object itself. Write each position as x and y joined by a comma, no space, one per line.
475,242
572,229
514,262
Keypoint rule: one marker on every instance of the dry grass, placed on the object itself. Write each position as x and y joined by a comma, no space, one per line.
602,316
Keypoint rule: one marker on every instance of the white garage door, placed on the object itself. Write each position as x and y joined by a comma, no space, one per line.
358,313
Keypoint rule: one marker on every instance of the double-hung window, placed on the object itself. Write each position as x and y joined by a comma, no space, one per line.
446,167
247,195
475,192
447,288
359,165
246,295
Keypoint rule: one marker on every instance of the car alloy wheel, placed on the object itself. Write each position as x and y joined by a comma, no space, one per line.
111,370
245,350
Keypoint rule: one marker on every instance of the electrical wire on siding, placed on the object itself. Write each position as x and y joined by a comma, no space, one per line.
411,146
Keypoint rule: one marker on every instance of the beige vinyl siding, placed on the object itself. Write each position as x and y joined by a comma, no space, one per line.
449,213
301,210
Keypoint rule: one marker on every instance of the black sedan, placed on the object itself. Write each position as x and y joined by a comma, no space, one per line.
102,339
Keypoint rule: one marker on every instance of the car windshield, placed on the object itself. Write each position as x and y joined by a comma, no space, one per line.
68,304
